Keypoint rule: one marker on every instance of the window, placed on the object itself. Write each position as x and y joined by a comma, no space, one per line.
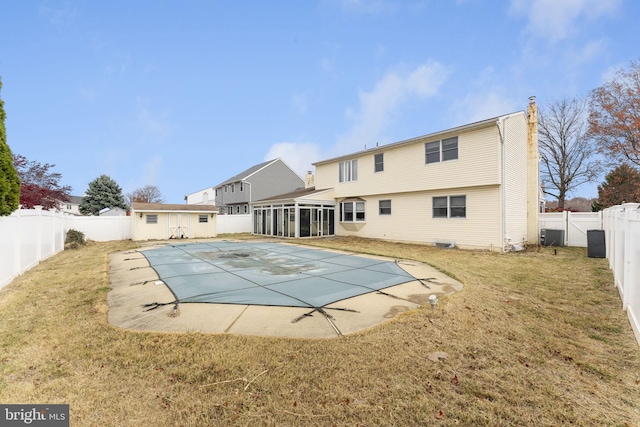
447,149
237,209
352,211
233,188
378,161
152,219
450,207
203,218
226,188
246,209
216,192
241,186
384,207
432,152
450,149
348,171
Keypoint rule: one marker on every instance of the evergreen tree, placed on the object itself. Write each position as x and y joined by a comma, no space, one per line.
103,192
621,185
9,181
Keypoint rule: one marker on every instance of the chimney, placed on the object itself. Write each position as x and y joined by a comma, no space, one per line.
309,181
533,172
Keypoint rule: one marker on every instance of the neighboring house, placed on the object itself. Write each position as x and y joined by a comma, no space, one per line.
112,212
156,221
72,206
235,195
474,186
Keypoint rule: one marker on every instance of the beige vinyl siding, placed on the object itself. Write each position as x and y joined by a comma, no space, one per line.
516,179
203,229
411,219
405,169
167,221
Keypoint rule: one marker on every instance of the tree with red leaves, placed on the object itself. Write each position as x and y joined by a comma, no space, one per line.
614,116
39,186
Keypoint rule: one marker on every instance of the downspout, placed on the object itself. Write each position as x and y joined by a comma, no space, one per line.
503,140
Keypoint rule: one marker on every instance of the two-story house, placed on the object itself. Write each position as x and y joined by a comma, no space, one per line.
235,195
474,186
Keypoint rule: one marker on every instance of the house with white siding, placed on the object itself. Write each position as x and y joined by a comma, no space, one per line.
474,186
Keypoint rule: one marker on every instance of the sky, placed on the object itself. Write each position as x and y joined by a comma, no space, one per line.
186,94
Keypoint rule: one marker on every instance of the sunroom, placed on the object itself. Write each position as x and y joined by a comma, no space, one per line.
301,213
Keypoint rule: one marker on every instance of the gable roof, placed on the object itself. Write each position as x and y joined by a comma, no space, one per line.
75,200
296,195
435,135
247,173
155,207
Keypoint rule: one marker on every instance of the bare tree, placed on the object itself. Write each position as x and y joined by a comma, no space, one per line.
614,116
566,151
146,194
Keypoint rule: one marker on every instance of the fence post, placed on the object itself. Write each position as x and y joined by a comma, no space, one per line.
629,214
17,259
565,227
38,210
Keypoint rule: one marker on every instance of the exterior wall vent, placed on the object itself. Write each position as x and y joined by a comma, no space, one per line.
444,244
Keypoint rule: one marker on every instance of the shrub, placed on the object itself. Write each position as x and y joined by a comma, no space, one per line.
74,239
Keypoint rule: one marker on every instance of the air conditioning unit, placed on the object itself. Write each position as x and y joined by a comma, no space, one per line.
551,237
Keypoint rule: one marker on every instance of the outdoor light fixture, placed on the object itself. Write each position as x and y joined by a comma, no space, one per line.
140,214
433,300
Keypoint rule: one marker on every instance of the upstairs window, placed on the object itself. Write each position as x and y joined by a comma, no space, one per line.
348,171
437,151
450,207
378,160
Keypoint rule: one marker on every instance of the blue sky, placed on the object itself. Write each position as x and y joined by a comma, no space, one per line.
185,94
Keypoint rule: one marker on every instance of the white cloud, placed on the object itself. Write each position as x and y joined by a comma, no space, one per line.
378,107
368,6
557,20
484,105
299,102
298,155
591,51
151,170
60,16
486,97
155,125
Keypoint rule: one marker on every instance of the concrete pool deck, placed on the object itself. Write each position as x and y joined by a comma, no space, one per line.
133,284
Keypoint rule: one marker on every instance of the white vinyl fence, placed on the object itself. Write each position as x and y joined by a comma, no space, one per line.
29,236
622,239
574,224
233,224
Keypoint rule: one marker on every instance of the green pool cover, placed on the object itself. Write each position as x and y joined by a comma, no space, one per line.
273,274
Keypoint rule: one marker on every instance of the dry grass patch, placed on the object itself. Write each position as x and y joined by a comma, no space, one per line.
534,338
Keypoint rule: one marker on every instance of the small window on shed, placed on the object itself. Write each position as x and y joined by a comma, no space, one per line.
203,218
152,218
